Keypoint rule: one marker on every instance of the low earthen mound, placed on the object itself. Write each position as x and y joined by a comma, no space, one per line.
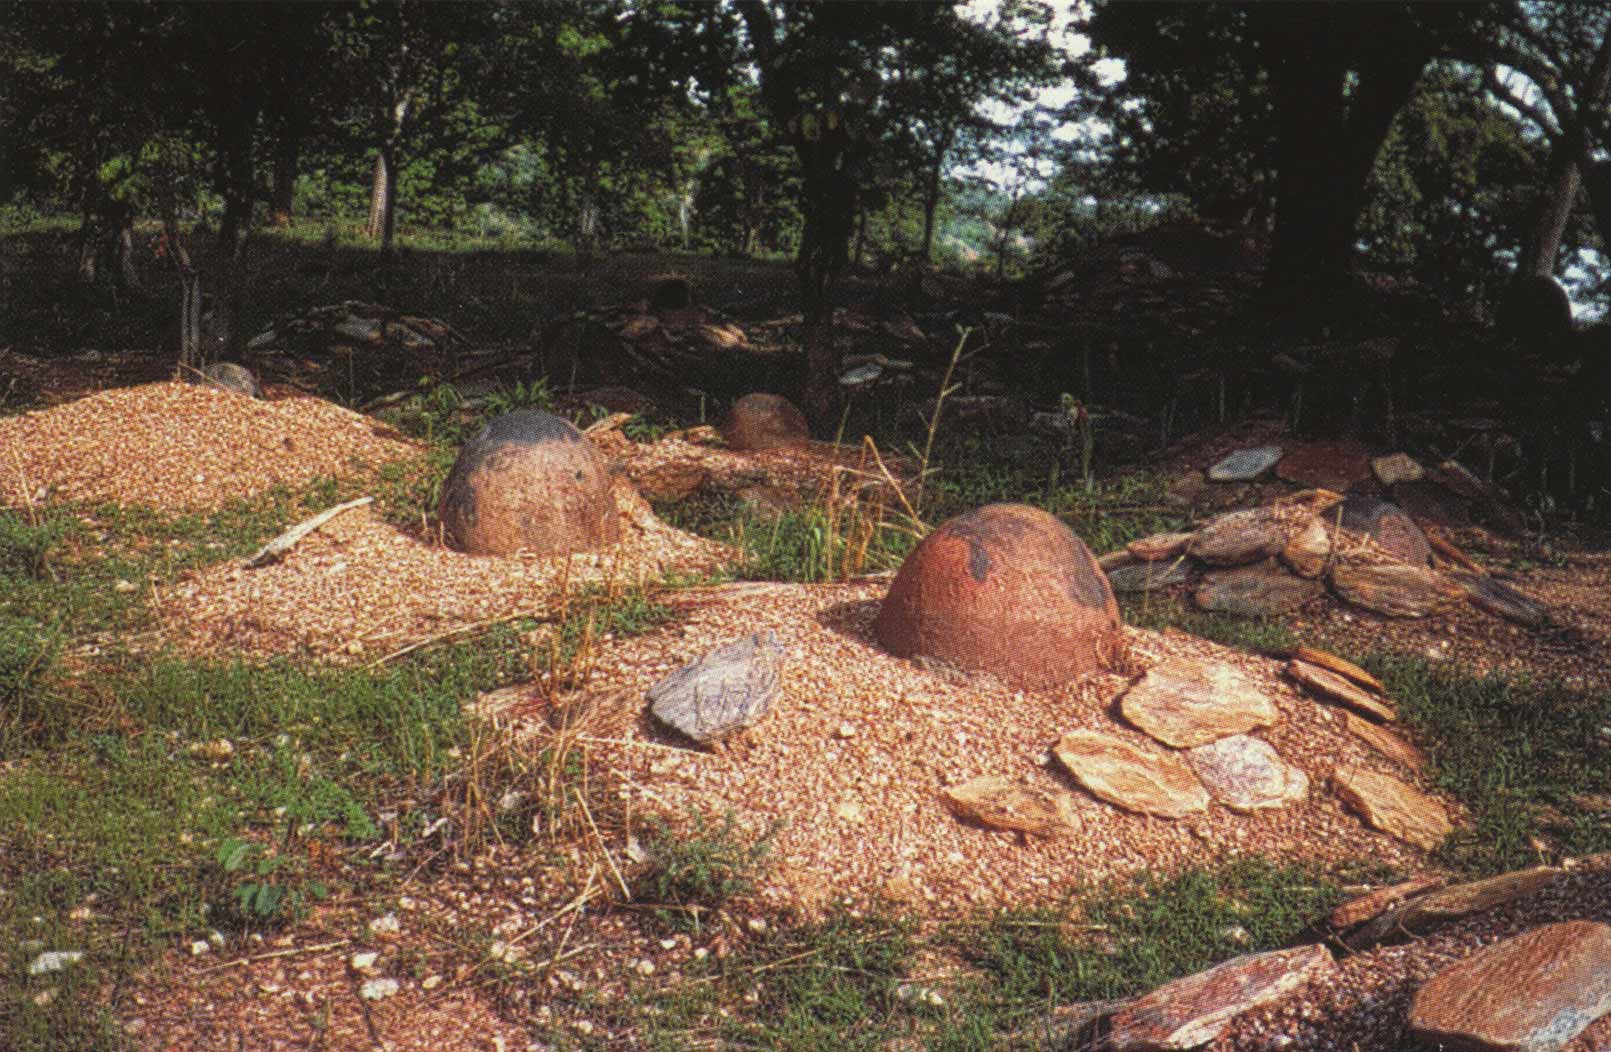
182,447
1006,589
530,482
765,421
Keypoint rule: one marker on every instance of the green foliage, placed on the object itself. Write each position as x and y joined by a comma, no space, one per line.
1528,759
698,866
264,891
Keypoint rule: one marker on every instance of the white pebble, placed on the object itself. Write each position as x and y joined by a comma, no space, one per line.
378,989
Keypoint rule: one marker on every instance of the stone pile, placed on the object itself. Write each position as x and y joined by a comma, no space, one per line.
353,349
1359,549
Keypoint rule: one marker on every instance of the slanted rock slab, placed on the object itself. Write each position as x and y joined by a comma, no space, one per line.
1395,589
1332,687
1394,808
1462,900
1245,464
1238,538
1184,702
1264,589
1189,1013
1002,804
1501,600
1531,993
1159,546
1246,774
1150,783
1393,531
1361,908
1342,666
728,689
1148,577
1385,742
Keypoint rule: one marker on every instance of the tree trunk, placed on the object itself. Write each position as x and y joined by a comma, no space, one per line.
88,247
1565,177
287,152
931,194
830,215
388,225
1328,134
378,187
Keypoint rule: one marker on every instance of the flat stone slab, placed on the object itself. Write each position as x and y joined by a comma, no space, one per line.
1531,993
1150,783
1264,589
1246,464
1394,808
1385,742
1149,577
1159,546
1326,465
1184,703
1003,804
1395,589
728,689
1396,468
1238,538
1193,1011
1334,688
1501,600
1361,908
1246,774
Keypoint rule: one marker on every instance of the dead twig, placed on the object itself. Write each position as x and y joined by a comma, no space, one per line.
241,962
460,630
276,548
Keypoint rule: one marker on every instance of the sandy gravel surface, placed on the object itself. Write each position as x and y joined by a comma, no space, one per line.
849,763
184,447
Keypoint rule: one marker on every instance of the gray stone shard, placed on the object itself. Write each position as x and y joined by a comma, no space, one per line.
728,689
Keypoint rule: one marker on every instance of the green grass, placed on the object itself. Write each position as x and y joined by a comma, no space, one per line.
1256,635
1522,756
698,866
1134,935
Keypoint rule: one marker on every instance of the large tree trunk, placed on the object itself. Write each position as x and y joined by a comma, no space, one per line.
1328,134
236,181
830,216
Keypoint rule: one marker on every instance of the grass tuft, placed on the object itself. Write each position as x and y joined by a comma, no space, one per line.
1532,761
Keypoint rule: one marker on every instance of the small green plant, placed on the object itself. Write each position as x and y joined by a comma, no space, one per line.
699,866
534,395
260,897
